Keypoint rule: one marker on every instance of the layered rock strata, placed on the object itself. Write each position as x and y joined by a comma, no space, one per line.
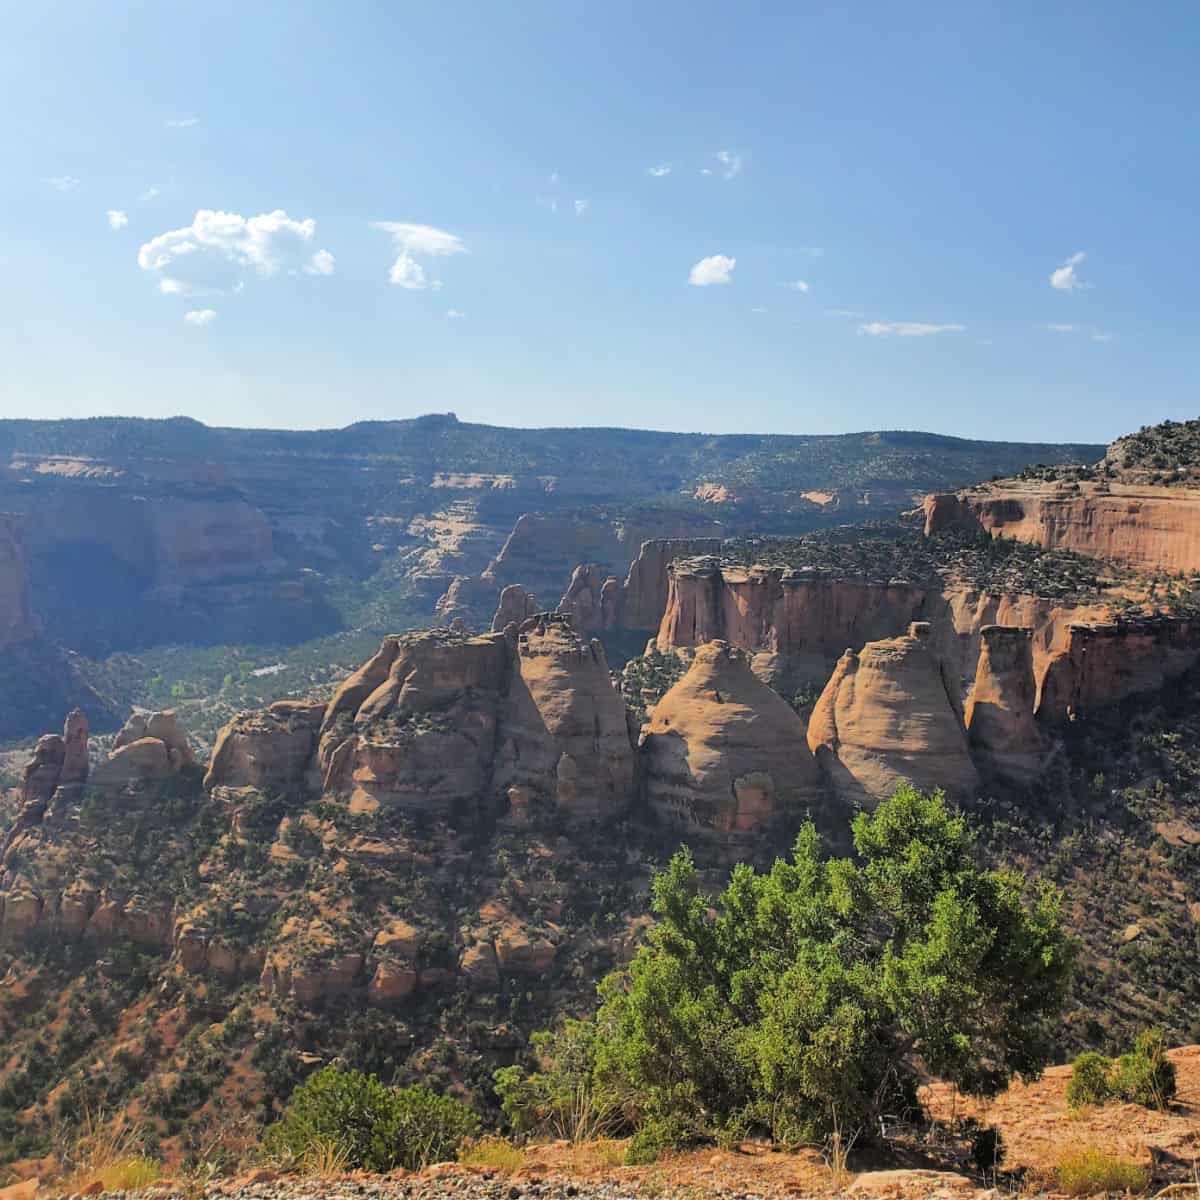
1143,526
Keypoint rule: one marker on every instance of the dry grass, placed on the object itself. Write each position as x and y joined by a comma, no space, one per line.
323,1158
109,1154
496,1152
1086,1171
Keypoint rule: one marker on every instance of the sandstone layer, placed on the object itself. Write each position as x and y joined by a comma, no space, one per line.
1147,527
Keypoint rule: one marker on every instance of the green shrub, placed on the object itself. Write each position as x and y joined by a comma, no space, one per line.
1146,1076
378,1127
655,1137
1091,1080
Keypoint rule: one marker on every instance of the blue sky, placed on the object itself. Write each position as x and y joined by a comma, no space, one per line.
589,214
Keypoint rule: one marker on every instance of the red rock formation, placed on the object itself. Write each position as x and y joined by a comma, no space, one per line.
1104,664
274,748
886,715
516,606
1001,728
647,586
805,620
593,599
44,769
724,754
150,746
563,736
75,748
1153,528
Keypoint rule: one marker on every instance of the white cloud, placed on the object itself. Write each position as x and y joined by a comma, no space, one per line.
731,163
1095,335
321,263
660,171
716,268
116,218
843,312
410,240
182,123
209,255
455,314
906,329
581,206
149,194
758,310
797,285
1055,327
1064,278
200,316
63,183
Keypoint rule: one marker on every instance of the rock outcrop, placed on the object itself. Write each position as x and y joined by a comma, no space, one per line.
1101,665
1003,733
417,724
723,754
270,749
647,586
564,739
593,599
516,606
1147,527
886,715
150,746
798,622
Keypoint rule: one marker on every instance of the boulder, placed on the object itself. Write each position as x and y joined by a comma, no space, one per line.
886,715
723,753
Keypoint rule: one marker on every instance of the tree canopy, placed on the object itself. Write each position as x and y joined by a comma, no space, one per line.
808,998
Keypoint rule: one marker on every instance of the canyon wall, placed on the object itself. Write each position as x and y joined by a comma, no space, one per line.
17,621
1143,526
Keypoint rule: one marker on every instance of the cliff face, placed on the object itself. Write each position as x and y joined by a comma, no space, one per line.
887,715
1147,527
723,754
16,617
805,622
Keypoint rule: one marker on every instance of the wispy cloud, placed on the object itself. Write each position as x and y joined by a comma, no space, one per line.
200,316
1093,334
211,254
796,285
410,241
759,309
116,218
63,183
716,268
843,312
182,122
906,329
729,166
661,171
149,194
581,206
1066,278
455,314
